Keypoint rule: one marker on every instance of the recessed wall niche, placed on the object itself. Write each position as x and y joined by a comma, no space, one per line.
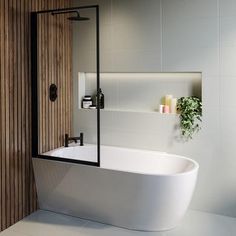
139,92
131,118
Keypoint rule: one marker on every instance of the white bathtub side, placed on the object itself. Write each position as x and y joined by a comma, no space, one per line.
133,201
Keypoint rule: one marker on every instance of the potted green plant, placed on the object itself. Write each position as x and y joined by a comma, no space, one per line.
190,111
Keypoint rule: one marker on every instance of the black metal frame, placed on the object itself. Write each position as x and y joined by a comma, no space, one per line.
34,81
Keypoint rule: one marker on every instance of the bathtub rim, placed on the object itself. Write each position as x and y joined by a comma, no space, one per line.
193,169
66,160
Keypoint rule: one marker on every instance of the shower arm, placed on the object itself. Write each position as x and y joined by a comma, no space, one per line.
64,12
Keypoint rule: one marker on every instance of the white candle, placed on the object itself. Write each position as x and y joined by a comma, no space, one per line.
168,100
166,109
161,108
173,105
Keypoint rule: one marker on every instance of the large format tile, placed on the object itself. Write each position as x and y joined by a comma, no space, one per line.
136,60
227,94
191,8
173,35
190,33
227,63
228,31
210,92
227,7
180,59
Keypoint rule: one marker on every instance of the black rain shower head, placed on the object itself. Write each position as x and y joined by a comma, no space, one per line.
78,18
72,18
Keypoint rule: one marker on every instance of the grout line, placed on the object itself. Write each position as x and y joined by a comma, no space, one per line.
112,35
219,69
161,30
219,36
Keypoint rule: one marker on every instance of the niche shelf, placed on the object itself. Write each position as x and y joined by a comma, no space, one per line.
138,92
128,111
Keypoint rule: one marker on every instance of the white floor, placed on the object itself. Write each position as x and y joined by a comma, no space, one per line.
44,223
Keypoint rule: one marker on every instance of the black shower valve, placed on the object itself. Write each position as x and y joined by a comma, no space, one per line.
53,92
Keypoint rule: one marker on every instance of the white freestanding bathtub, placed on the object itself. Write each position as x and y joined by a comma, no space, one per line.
134,189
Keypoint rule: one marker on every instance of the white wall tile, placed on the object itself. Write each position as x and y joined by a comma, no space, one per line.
227,31
228,61
210,92
188,36
227,93
190,44
135,11
227,7
111,93
204,60
136,61
107,119
136,43
193,32
144,36
190,8
228,128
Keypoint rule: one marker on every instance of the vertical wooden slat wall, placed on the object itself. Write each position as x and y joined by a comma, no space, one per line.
55,118
17,187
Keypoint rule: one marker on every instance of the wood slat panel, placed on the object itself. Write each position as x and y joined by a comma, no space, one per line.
55,118
17,188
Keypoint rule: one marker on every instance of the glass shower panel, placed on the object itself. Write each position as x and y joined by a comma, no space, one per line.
84,54
67,114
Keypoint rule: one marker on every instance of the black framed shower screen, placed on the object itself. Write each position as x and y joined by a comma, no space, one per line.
34,84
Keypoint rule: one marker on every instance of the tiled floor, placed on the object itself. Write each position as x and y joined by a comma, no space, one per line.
44,223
